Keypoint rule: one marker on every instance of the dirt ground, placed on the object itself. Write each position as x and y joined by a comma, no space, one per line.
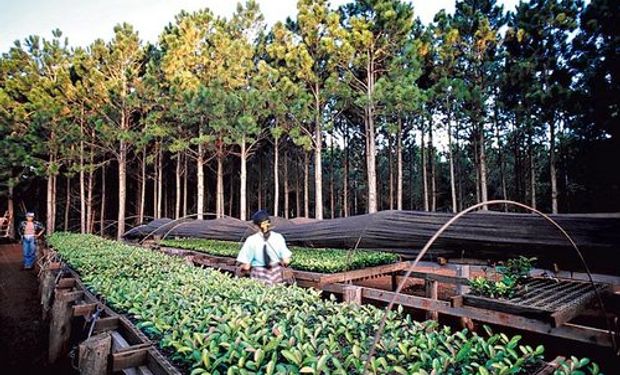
23,336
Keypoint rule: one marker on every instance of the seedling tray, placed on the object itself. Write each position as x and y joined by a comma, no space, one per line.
553,300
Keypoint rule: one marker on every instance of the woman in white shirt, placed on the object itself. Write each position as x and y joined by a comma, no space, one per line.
265,253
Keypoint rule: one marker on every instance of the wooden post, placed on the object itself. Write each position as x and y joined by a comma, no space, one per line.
60,327
432,293
394,281
462,271
352,294
47,288
94,353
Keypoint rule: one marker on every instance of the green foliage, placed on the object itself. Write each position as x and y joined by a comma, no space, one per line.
576,366
512,273
214,323
304,258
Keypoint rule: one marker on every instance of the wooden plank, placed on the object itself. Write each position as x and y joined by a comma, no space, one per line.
47,288
69,296
352,294
462,271
342,277
84,309
159,365
107,324
567,331
128,359
444,279
66,283
331,288
431,287
93,355
404,299
504,306
60,328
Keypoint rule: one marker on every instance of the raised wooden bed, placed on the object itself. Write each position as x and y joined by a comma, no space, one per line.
113,344
343,284
552,300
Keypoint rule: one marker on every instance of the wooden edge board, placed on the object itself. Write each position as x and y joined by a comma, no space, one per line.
84,309
341,277
444,279
404,299
66,283
64,296
128,359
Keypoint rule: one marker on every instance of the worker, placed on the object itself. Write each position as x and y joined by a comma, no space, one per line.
264,253
30,230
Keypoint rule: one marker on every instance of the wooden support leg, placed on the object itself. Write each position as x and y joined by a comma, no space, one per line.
394,281
463,271
432,293
60,327
94,353
47,288
352,294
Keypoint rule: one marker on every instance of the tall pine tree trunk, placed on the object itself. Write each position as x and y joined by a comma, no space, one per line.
331,177
399,165
82,182
425,200
371,166
345,177
177,197
51,195
142,187
89,195
500,160
260,183
67,204
477,167
200,182
243,181
160,180
306,185
552,170
431,160
297,188
276,178
391,173
11,210
219,192
451,158
185,173
483,170
318,165
102,209
122,189
286,186
532,169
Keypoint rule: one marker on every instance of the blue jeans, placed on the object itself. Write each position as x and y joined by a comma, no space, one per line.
29,247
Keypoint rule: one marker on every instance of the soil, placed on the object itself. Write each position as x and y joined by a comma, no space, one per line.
23,336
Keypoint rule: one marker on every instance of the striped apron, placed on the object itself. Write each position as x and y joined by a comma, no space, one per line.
270,276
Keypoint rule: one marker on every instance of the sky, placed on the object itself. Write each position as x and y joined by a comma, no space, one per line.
83,21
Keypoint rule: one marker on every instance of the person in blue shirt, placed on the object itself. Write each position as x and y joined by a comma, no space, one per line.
265,253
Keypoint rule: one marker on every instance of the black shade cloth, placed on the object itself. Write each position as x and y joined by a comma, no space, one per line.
476,235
